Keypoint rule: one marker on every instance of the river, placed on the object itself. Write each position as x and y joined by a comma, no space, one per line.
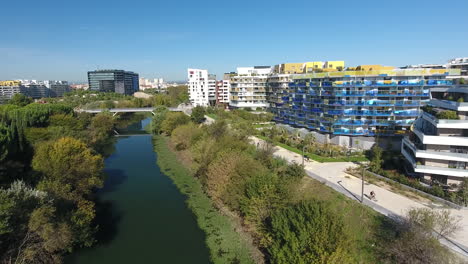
143,217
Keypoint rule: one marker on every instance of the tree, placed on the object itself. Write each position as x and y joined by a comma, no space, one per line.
5,141
198,114
463,191
102,125
376,158
20,100
173,120
415,240
185,135
308,232
160,114
70,169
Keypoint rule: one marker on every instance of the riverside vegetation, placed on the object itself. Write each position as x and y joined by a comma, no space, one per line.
278,214
51,162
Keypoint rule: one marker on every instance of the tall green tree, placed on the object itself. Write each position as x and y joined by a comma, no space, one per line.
20,100
70,169
198,114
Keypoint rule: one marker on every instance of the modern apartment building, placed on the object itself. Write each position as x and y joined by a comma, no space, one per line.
462,64
357,103
8,89
201,87
437,148
118,81
248,87
58,88
222,90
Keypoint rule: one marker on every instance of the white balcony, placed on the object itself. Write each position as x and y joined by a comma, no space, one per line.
433,154
456,106
441,171
445,123
441,140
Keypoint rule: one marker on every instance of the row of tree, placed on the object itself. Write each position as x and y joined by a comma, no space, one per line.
50,163
261,189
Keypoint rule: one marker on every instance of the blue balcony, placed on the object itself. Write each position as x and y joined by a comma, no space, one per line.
406,113
407,103
439,82
336,103
312,92
314,84
344,131
410,82
296,107
285,98
316,110
349,94
309,126
349,122
335,112
300,92
291,85
327,84
298,99
316,101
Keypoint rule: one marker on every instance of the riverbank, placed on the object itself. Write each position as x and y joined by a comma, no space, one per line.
224,241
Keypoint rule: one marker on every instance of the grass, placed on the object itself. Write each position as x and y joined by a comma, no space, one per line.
214,116
318,157
223,241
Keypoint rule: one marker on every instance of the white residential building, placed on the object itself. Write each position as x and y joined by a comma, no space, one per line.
438,147
248,87
201,87
222,91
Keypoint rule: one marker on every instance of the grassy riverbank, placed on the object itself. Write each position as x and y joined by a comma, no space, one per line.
224,242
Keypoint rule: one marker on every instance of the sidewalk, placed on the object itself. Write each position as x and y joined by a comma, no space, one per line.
388,203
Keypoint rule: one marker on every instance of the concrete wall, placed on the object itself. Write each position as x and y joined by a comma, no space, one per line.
363,143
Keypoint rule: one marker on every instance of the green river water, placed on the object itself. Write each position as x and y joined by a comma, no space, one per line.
143,217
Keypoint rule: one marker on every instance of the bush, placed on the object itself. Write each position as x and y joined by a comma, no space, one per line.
305,233
172,121
185,135
447,114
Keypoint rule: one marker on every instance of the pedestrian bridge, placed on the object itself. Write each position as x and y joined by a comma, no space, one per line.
115,111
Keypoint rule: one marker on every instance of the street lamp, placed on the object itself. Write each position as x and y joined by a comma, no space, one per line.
362,189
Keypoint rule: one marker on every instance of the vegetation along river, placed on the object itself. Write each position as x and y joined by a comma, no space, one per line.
142,216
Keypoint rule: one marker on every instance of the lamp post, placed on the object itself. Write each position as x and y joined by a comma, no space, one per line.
303,146
362,190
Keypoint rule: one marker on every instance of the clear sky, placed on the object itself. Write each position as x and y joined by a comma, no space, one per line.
64,39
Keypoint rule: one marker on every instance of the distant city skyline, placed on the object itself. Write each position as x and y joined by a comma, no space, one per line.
52,40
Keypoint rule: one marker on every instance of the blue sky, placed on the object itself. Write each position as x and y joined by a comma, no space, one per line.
64,39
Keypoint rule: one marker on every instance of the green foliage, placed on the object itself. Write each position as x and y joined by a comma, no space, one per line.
185,135
20,100
158,118
5,141
198,114
463,191
376,158
447,114
172,121
226,245
178,94
69,167
306,233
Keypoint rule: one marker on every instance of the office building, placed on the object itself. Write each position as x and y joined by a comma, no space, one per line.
201,87
118,81
248,87
437,147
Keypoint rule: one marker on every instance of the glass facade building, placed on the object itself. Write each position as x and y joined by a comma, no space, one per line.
118,81
356,103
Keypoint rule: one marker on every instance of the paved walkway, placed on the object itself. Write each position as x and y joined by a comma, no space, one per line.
388,203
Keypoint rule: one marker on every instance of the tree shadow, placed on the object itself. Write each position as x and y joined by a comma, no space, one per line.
115,177
107,219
